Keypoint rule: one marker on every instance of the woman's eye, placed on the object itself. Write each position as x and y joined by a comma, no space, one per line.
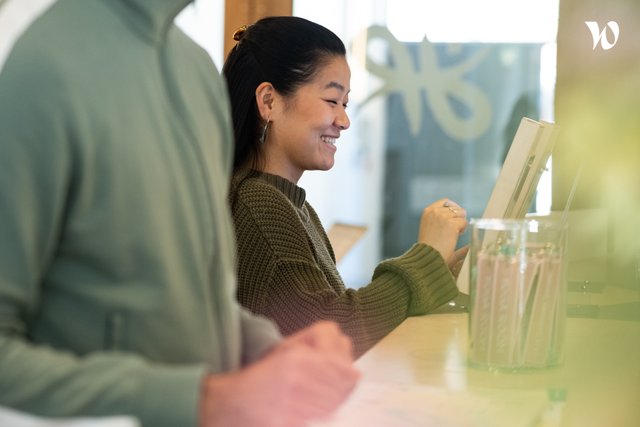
334,102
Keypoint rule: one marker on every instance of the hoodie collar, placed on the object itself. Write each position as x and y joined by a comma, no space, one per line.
153,17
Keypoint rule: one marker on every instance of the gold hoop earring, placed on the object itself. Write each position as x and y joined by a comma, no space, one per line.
263,137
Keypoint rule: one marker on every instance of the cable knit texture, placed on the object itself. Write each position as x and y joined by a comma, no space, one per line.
287,269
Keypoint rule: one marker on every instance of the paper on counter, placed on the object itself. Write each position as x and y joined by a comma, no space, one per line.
13,418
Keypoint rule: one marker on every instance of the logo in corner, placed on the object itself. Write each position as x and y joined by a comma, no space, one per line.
601,36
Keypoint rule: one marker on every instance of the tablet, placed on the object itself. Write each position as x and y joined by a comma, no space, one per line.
516,185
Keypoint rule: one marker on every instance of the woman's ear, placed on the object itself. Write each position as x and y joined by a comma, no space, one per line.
265,94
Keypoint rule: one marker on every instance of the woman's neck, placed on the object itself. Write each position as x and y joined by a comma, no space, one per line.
286,172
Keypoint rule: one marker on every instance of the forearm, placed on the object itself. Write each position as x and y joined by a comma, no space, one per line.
424,272
45,381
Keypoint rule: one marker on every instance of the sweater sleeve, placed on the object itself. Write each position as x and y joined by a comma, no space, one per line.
259,335
425,274
280,277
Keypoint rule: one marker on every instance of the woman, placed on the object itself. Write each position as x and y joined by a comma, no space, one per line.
288,80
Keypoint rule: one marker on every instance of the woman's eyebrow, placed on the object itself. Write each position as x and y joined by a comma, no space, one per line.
336,85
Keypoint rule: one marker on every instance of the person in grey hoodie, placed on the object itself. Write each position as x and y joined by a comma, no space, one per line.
117,270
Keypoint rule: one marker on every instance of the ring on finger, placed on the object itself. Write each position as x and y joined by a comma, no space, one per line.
448,206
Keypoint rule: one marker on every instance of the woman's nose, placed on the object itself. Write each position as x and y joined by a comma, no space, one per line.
342,120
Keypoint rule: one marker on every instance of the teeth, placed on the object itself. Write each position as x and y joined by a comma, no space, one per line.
329,140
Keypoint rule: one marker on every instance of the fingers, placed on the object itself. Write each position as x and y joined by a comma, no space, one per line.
456,268
315,382
462,252
456,260
323,386
326,336
441,224
456,211
317,364
288,387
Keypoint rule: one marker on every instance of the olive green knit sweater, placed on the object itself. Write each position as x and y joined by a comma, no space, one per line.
287,269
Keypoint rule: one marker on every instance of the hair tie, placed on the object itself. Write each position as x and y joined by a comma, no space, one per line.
239,33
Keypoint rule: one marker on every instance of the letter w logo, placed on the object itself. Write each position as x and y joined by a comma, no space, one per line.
601,36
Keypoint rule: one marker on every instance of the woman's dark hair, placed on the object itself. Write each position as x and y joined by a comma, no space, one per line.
286,51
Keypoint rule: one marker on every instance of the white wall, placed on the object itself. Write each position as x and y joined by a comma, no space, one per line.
203,21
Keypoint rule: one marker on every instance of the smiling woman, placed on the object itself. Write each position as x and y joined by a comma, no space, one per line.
289,84
304,138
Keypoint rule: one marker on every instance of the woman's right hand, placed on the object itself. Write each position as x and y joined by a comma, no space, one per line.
441,224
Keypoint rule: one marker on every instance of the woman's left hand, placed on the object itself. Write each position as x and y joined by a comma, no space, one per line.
456,260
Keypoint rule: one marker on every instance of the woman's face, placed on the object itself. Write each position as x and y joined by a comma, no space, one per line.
306,126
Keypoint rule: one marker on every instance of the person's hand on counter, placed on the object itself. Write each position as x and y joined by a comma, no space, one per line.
305,377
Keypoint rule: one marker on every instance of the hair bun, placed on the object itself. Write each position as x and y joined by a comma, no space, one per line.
239,33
